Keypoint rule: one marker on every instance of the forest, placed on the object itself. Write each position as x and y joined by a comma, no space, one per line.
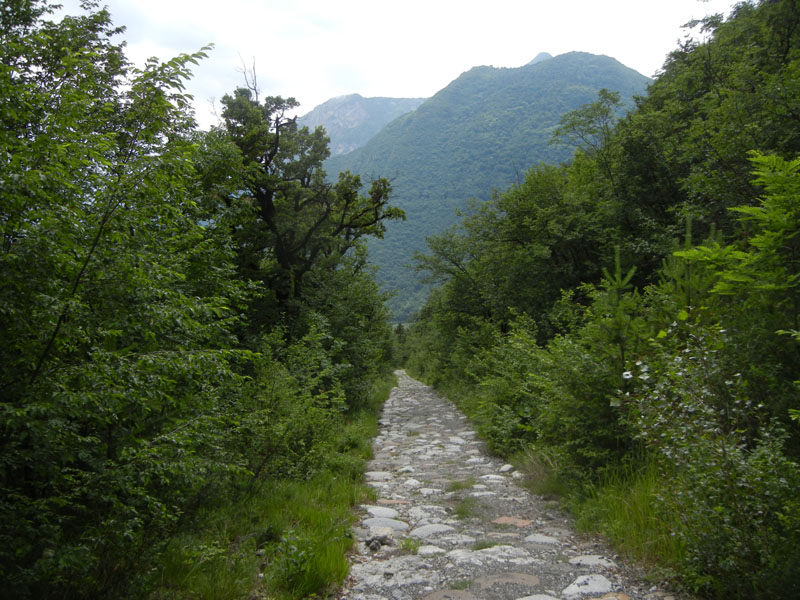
195,348
626,324
193,343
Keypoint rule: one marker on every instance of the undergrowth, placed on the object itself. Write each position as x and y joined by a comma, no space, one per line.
277,538
627,506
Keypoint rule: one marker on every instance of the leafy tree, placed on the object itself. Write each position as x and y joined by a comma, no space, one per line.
521,249
590,129
116,308
756,281
297,222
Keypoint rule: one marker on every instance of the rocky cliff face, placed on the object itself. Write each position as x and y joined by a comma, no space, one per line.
352,120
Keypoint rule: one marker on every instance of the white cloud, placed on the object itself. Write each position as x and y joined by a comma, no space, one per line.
317,49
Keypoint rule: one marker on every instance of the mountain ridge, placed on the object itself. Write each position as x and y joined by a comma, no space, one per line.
351,120
478,134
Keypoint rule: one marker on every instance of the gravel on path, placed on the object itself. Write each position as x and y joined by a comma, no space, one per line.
453,523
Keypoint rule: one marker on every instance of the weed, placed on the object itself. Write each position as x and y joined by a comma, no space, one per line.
461,484
541,473
625,506
409,545
465,508
483,544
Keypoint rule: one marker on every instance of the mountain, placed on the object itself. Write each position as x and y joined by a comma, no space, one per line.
540,57
477,135
352,120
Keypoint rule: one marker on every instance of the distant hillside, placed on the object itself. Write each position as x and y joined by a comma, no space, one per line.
352,120
478,134
540,57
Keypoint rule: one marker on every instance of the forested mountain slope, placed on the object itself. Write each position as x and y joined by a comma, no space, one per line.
478,134
350,121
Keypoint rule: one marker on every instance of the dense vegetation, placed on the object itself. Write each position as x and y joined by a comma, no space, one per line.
351,121
480,133
629,322
191,337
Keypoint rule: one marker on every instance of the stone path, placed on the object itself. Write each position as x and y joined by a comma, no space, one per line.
450,522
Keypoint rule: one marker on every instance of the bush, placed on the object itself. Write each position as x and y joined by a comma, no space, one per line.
732,483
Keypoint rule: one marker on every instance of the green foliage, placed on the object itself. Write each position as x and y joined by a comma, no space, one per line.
139,379
410,545
117,368
661,387
286,537
518,251
732,483
296,223
626,503
477,135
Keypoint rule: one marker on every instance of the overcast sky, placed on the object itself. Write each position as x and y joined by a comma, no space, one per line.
314,50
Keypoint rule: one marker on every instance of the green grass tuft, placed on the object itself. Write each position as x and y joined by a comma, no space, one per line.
461,484
625,507
465,508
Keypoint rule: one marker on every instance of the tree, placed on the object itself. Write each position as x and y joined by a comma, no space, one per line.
297,221
116,308
590,129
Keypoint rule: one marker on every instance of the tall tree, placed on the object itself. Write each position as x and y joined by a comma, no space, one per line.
115,338
297,221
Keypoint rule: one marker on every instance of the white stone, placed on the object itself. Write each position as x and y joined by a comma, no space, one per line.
457,440
520,499
538,538
429,550
510,554
538,597
587,584
482,494
429,491
591,560
417,514
406,469
373,575
506,468
464,557
492,477
412,483
382,522
381,511
378,475
431,530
